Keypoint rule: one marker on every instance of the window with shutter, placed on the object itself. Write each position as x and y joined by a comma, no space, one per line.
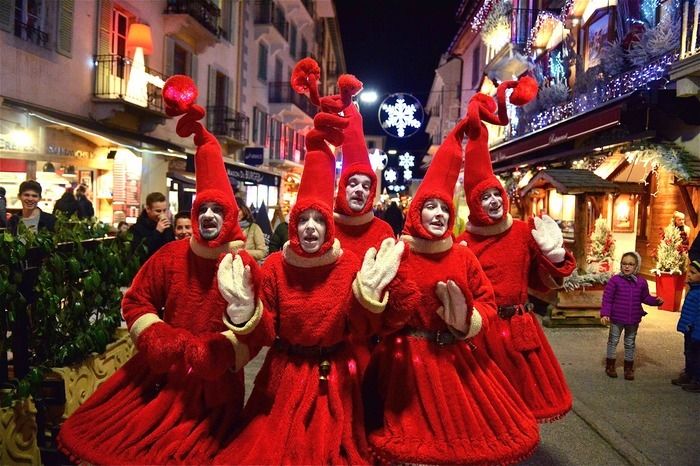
304,48
293,40
64,38
29,18
7,15
262,62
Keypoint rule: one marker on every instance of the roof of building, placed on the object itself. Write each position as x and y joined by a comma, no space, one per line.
567,181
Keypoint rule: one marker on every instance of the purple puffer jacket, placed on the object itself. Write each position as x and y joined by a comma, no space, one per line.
622,300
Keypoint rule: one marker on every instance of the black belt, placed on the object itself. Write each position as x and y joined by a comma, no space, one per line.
506,312
441,337
308,351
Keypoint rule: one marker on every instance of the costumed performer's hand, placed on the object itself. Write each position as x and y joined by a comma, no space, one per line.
456,305
379,268
549,238
236,286
209,356
162,345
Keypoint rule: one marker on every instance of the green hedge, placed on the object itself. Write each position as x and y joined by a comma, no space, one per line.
78,307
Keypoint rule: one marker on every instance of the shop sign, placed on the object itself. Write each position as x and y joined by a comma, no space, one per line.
78,154
253,155
254,176
6,143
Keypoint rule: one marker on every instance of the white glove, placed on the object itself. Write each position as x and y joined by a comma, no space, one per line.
454,305
379,268
236,286
548,237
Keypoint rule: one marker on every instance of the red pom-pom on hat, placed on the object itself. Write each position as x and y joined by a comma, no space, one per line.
179,94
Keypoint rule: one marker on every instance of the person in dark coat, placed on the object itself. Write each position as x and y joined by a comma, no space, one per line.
689,326
3,208
66,204
85,208
152,228
394,217
32,216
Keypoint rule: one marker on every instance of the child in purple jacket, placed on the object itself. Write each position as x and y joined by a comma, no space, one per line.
622,310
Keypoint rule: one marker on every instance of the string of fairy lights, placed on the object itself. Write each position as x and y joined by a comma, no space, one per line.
641,78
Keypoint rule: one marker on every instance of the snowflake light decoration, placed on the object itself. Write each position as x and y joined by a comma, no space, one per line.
390,175
406,160
378,159
407,174
403,112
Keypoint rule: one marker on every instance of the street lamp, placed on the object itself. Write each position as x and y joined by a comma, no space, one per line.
368,97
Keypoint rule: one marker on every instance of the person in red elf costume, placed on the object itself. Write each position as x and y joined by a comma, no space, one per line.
357,228
515,255
306,407
438,399
177,398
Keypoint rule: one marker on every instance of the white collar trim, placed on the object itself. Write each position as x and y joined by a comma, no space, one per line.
328,257
427,246
205,252
353,219
491,230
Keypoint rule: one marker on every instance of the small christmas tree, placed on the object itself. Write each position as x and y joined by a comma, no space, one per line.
600,253
670,253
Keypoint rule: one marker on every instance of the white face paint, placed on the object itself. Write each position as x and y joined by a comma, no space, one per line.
435,216
210,219
357,191
492,203
311,230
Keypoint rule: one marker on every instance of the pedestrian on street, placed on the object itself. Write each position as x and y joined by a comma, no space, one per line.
152,228
66,204
85,207
255,239
183,225
33,218
689,326
622,309
3,208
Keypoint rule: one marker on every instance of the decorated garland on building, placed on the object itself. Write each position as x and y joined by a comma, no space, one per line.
669,156
496,27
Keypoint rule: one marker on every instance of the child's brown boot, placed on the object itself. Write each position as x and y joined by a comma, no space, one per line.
629,370
610,368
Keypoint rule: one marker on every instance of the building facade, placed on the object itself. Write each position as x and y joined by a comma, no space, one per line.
80,94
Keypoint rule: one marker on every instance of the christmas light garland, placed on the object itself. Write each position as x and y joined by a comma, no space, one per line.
481,15
617,87
542,18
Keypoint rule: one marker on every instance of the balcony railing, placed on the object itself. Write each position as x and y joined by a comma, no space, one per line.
604,90
204,11
267,13
112,73
309,5
31,34
689,32
282,93
225,121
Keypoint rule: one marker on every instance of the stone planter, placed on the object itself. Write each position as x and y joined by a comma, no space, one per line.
18,426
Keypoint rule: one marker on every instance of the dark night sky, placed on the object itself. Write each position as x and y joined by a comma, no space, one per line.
395,46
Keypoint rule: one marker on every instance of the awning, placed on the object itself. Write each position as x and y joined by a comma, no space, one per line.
240,172
119,137
558,133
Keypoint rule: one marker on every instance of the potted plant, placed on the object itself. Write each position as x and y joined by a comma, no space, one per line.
671,259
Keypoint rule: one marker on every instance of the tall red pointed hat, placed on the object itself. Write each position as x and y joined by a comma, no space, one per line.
478,172
318,179
212,183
